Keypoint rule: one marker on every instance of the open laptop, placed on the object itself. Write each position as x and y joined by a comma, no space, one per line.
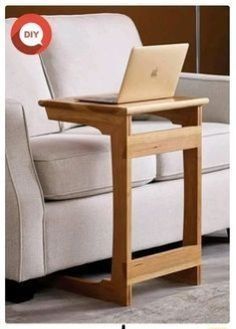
152,72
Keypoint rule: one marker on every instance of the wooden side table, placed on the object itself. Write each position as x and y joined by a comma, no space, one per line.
182,263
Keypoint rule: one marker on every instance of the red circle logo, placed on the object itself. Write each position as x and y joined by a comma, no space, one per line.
31,34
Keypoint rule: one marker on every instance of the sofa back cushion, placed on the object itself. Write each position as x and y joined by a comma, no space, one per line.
88,54
26,83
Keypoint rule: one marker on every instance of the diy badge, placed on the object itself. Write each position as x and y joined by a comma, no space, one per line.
31,34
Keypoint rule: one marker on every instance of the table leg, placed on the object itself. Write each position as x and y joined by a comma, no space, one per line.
117,289
192,202
124,269
121,169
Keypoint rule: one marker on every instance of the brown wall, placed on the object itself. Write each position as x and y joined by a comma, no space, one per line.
164,24
215,39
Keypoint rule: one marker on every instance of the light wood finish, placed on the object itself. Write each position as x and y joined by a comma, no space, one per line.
183,263
163,141
175,260
105,290
184,116
192,197
165,104
121,170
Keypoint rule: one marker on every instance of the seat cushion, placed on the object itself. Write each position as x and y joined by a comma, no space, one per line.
77,165
215,147
26,83
215,153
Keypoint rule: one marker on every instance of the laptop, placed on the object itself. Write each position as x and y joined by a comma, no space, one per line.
152,73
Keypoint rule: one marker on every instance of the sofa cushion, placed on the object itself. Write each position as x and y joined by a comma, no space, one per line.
70,165
88,53
215,153
26,83
215,147
79,231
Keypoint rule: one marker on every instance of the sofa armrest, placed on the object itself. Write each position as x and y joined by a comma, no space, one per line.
24,202
215,87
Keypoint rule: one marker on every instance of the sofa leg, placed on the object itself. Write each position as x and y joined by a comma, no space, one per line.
18,292
228,234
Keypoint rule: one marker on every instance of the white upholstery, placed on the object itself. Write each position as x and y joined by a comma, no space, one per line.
215,87
88,53
24,202
71,165
43,237
215,153
215,147
26,83
77,163
79,231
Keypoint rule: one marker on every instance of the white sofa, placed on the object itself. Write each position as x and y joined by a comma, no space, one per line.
58,175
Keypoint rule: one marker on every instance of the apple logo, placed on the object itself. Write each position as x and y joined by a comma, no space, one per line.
154,72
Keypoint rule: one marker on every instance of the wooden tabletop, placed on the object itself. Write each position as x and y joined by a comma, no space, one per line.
126,108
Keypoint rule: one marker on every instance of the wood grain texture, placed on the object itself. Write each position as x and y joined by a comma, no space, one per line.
152,106
192,188
122,203
193,198
182,263
104,290
163,141
175,260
